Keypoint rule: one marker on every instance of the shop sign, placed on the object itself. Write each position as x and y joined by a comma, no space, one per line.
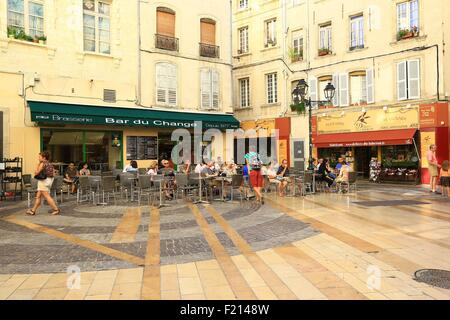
262,127
121,121
426,140
370,120
427,116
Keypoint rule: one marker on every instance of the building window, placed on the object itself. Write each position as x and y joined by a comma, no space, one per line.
297,48
325,40
270,31
165,29
407,19
244,92
357,32
408,80
209,89
166,84
96,25
243,40
358,88
272,88
27,18
208,46
243,4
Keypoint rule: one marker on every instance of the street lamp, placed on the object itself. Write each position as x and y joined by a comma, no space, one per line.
299,95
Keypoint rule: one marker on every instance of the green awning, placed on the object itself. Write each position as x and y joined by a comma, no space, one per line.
49,112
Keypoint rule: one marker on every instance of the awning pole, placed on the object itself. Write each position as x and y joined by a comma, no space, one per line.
417,150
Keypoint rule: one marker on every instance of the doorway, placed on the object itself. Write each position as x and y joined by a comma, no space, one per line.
363,155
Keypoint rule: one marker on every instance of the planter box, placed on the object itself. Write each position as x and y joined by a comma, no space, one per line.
323,53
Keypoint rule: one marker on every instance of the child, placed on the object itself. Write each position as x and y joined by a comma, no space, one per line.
445,178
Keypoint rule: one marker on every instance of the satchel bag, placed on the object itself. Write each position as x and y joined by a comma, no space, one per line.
41,175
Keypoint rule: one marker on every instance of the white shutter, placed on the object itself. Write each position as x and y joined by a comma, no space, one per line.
215,90
370,86
343,90
335,83
313,90
413,79
172,85
205,80
401,81
161,80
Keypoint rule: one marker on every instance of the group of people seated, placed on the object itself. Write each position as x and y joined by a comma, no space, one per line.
72,173
337,176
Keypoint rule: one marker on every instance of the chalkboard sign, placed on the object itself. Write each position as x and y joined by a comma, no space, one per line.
141,148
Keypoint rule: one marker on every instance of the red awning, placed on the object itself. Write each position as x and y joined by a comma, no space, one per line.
365,139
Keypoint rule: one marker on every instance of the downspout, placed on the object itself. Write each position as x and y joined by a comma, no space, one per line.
139,80
231,56
285,73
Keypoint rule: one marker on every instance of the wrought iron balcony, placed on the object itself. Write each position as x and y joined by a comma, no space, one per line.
166,42
210,51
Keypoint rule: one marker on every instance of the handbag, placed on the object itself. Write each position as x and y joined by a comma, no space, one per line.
41,175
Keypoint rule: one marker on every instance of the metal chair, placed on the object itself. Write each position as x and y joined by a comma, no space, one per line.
57,186
182,181
237,181
308,183
96,172
126,185
352,177
107,174
32,189
144,188
108,187
94,186
83,189
142,171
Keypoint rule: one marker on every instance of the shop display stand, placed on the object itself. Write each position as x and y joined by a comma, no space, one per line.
11,178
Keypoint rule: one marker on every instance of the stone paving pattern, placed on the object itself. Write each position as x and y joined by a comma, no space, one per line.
315,247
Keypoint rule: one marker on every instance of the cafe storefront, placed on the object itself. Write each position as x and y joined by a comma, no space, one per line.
109,137
389,135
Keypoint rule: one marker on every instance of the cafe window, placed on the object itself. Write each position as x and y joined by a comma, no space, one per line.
102,150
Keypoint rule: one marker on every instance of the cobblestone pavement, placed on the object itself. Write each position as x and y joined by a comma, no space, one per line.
321,246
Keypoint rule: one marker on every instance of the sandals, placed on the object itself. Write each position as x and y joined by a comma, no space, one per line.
31,212
56,212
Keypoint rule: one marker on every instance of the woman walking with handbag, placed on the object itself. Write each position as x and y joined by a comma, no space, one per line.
44,174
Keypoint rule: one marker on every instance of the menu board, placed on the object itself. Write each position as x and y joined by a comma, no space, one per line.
141,148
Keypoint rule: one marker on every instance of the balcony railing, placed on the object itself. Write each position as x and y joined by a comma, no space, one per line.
210,51
166,42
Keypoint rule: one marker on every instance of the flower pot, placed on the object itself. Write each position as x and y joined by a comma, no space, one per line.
323,53
41,42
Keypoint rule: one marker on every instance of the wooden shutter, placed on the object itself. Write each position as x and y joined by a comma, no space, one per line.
205,80
343,90
370,86
335,83
313,89
166,84
161,80
208,32
165,23
401,81
215,89
413,79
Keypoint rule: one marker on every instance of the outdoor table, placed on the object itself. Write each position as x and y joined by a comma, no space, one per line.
161,181
134,179
200,180
292,177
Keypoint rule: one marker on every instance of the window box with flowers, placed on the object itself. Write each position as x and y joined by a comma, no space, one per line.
324,52
295,56
406,33
19,34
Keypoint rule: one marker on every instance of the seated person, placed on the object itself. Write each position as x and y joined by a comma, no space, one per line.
228,171
152,170
199,168
324,173
343,176
185,168
168,171
132,167
282,176
85,170
71,176
339,164
272,175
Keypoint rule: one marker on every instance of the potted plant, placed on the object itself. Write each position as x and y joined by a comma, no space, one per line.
415,31
294,55
12,32
324,52
35,39
300,108
406,33
42,39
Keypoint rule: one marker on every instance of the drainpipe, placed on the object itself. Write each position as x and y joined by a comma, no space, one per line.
139,80
231,55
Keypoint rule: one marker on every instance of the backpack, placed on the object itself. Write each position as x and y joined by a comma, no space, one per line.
256,164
